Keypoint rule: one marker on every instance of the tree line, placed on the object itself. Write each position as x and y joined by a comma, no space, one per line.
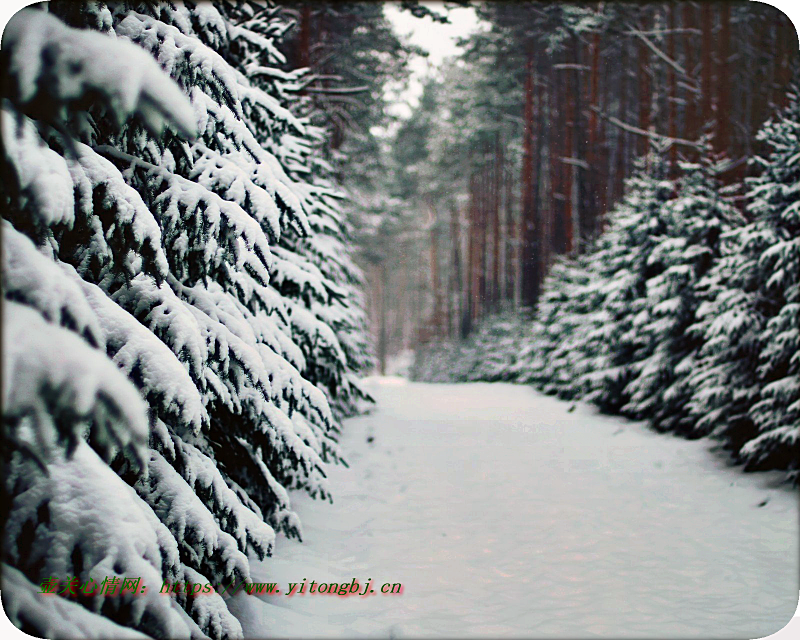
675,299
519,149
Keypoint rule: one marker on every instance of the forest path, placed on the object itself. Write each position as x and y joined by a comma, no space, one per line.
505,513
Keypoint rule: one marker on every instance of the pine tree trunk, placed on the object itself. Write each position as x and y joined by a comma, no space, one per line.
496,202
510,233
724,116
645,91
555,127
503,220
382,329
456,290
594,177
528,253
672,97
707,71
474,248
621,164
436,318
568,171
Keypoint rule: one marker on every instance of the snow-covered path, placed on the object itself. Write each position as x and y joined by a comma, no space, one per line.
504,513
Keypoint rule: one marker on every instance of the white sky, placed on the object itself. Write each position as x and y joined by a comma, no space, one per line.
439,40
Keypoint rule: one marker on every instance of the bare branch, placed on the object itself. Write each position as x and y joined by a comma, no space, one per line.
663,140
660,32
660,53
576,162
568,65
337,90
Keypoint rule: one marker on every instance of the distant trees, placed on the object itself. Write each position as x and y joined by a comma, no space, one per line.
350,54
535,129
684,312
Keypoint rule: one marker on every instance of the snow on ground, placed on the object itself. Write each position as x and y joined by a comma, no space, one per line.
507,513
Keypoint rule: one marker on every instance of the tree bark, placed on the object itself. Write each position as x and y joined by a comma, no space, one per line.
707,71
497,188
570,205
672,85
382,328
645,90
529,262
594,178
436,318
724,115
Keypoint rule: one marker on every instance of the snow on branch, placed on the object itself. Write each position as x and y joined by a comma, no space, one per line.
52,66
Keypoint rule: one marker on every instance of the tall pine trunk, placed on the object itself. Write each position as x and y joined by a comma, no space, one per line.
672,87
529,257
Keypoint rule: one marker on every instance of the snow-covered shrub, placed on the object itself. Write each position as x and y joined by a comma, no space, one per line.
488,354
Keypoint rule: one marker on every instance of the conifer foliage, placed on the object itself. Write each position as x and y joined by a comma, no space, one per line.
748,382
174,335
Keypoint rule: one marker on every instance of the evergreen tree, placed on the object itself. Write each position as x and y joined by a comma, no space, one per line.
746,384
776,201
547,358
685,248
144,285
325,309
622,267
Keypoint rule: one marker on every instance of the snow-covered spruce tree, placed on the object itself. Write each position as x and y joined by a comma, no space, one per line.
686,245
747,389
141,252
776,201
66,512
620,269
549,357
325,306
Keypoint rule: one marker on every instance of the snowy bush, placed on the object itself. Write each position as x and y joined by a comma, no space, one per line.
488,354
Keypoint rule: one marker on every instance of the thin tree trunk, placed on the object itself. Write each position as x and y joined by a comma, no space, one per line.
436,318
645,91
457,286
382,329
497,188
724,117
556,126
529,271
707,71
568,172
672,106
595,177
474,248
621,165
